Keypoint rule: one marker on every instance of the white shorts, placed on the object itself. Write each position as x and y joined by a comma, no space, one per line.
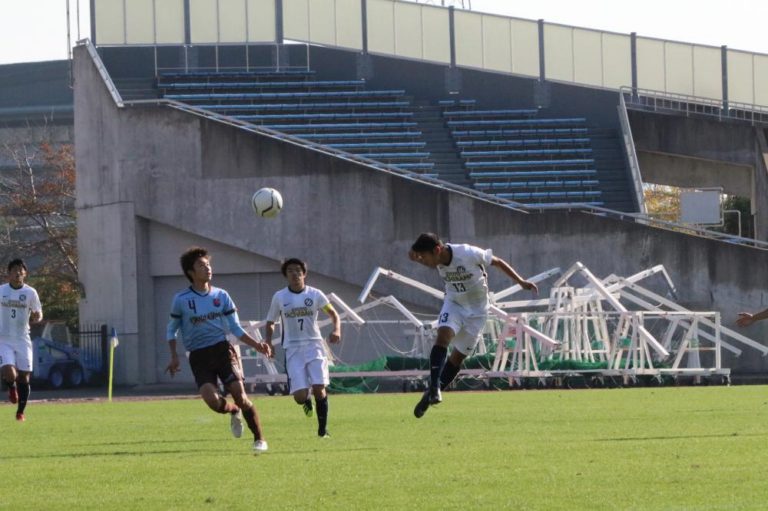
306,365
18,355
467,325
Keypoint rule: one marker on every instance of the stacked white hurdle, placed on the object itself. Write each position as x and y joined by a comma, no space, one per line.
597,328
609,322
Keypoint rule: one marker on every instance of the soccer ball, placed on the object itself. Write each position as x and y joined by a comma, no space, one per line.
267,202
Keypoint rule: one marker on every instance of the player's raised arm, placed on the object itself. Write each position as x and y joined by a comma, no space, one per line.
746,318
511,273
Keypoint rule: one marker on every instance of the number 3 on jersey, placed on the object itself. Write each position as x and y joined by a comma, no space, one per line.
443,318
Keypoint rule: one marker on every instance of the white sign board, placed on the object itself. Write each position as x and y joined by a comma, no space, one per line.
701,207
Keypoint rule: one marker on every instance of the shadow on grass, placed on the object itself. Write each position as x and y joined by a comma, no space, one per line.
681,437
196,451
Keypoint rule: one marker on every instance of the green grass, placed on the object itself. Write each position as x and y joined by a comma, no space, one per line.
640,449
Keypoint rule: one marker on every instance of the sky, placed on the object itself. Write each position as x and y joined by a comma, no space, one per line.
36,30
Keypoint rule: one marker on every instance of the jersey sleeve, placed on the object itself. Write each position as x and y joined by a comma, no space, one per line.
174,322
322,300
274,309
482,255
487,257
231,316
36,305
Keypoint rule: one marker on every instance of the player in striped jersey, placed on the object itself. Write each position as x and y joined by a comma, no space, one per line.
204,314
465,308
19,307
306,361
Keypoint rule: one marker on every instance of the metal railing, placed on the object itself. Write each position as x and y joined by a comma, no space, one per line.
102,71
631,154
694,106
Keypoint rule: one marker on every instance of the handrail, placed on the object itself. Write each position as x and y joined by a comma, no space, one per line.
102,71
660,101
631,153
644,219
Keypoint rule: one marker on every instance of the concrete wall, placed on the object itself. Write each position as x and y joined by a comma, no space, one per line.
688,152
151,180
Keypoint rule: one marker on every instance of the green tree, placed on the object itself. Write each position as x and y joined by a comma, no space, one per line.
731,220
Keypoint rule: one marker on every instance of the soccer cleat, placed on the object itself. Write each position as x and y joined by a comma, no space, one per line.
260,446
307,406
435,397
236,424
20,417
13,395
422,405
323,434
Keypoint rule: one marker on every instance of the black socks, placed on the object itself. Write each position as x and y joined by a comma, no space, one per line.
437,358
322,415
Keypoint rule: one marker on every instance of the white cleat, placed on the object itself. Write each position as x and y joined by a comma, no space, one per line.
236,424
260,446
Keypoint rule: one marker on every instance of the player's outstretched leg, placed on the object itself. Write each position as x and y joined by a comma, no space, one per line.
422,405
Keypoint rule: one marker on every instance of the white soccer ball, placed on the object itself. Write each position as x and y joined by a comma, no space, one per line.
267,202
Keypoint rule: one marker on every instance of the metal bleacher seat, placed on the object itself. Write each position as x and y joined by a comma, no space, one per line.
351,126
208,85
536,185
525,132
263,96
528,174
382,145
515,122
524,153
177,77
305,107
529,163
365,135
490,114
523,142
325,116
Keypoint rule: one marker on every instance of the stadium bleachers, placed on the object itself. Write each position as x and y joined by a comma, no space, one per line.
517,155
514,153
341,114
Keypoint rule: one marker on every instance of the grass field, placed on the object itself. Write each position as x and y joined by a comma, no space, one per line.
687,448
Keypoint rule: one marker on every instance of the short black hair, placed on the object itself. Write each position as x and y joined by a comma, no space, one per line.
426,242
17,262
293,260
189,257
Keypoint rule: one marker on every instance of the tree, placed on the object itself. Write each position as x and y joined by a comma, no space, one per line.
37,217
731,204
662,202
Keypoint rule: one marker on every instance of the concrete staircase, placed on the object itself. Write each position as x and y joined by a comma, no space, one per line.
611,166
440,144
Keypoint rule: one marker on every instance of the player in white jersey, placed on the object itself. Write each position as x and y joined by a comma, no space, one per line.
20,306
465,307
306,361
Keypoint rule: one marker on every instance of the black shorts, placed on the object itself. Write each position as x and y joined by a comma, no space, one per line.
217,361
